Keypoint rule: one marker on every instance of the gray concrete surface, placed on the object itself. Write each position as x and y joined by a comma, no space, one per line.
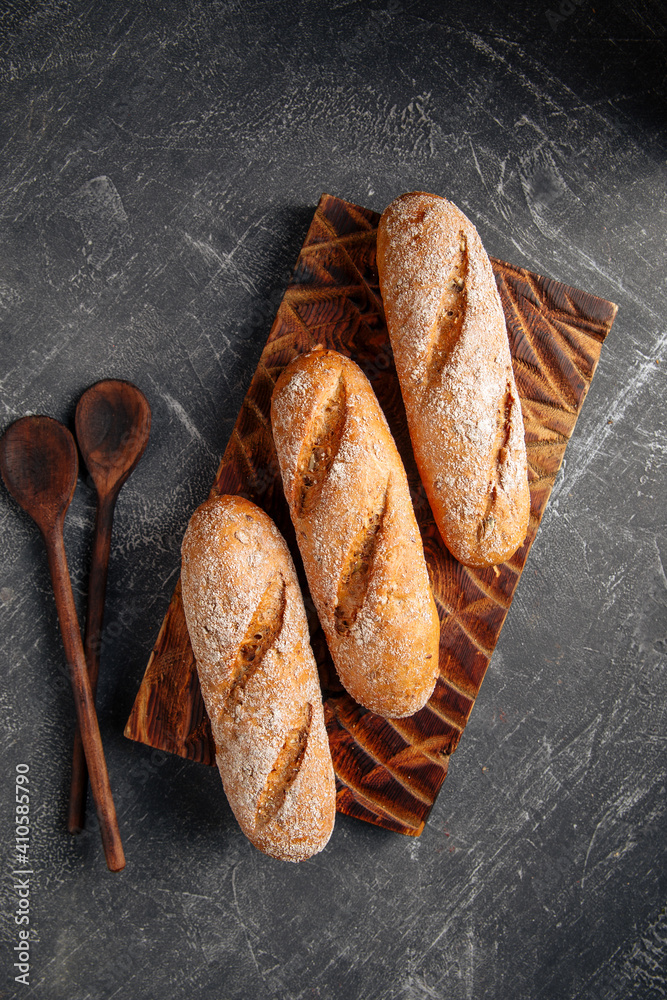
158,170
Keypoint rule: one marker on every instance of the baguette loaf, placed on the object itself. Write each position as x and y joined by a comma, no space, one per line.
450,346
350,503
258,677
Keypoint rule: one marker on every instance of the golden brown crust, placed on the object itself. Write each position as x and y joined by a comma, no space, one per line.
452,356
356,529
258,677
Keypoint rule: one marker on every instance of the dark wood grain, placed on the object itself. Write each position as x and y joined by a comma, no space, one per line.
388,772
39,466
112,422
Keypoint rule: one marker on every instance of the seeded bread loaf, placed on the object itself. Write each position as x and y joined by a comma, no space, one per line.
356,529
258,677
449,340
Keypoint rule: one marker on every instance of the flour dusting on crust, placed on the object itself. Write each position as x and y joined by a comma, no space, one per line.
359,539
258,677
464,414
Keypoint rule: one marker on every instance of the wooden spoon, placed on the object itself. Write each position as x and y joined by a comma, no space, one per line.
39,464
113,422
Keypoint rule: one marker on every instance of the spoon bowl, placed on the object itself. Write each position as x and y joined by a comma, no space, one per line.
39,464
112,422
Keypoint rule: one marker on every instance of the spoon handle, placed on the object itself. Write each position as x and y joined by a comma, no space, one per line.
97,586
83,699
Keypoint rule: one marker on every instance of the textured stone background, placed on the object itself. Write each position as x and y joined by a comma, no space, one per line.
159,166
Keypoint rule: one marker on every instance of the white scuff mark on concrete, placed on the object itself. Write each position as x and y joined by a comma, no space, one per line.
332,961
613,583
477,166
186,420
500,186
617,283
206,250
416,988
587,450
416,116
9,297
32,367
615,814
179,410
469,971
646,962
170,576
244,926
661,566
511,66
224,262
601,822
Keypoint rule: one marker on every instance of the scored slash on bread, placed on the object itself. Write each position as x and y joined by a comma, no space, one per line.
356,529
451,350
389,774
258,677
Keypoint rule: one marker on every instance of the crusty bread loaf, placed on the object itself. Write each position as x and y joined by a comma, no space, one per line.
258,677
356,529
452,356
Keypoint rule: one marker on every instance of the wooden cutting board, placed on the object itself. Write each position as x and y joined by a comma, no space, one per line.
388,772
